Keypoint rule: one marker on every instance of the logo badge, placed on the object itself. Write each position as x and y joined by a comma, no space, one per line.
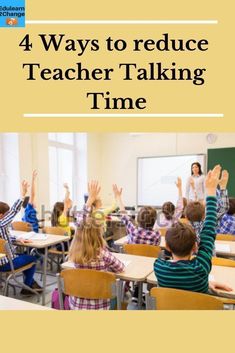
12,13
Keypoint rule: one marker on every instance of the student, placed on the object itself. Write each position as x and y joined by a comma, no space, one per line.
143,233
88,250
170,214
185,272
195,211
100,213
60,213
30,213
96,208
6,217
185,202
227,222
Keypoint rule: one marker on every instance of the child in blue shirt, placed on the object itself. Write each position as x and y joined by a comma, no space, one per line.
30,213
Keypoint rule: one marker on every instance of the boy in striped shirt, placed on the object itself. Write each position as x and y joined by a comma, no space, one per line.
185,272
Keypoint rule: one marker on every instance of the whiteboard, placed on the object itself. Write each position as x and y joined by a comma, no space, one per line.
156,177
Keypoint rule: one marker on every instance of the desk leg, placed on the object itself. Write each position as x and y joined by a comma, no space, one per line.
44,278
140,291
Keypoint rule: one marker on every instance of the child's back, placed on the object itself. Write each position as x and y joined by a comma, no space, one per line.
88,251
182,272
227,221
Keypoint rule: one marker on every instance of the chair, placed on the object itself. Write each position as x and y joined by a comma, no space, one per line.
163,231
175,299
22,226
54,251
220,261
184,221
228,237
142,250
13,273
89,284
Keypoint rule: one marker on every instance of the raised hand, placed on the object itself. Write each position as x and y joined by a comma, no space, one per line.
24,188
117,192
34,175
224,179
212,180
65,185
178,183
93,190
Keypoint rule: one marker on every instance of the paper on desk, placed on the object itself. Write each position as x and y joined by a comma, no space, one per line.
211,278
31,236
222,248
126,263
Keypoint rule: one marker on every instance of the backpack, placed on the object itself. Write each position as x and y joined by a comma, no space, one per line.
55,304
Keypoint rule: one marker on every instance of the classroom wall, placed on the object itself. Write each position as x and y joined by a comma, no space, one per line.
118,154
112,157
33,151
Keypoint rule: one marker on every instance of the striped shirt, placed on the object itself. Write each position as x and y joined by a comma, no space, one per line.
105,262
4,229
138,235
192,274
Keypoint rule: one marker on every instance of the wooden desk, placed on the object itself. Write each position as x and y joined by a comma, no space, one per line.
137,269
7,303
120,242
224,248
43,244
220,274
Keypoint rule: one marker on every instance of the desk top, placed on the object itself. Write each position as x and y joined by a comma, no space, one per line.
219,274
137,268
7,303
39,244
123,240
222,247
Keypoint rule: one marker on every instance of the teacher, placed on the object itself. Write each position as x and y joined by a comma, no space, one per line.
195,188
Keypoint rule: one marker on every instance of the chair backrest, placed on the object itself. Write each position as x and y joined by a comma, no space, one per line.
184,221
54,230
3,249
163,231
175,299
220,261
228,237
22,226
142,250
90,284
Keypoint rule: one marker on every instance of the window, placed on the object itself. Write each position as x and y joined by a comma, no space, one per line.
68,163
9,168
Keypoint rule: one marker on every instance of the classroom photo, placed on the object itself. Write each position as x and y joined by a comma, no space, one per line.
117,221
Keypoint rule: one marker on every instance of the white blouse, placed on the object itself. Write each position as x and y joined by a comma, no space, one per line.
198,193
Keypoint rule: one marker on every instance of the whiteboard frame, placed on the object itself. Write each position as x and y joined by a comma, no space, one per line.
204,168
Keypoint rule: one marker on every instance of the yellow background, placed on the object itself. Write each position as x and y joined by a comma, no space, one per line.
119,331
20,96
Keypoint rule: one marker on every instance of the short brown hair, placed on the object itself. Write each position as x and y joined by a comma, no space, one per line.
147,217
195,211
4,207
231,210
168,208
180,239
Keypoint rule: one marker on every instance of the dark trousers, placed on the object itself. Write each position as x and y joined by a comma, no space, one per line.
21,261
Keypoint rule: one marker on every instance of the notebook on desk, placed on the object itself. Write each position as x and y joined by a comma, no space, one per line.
31,236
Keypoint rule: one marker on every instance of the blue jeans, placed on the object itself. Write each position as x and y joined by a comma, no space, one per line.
21,261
